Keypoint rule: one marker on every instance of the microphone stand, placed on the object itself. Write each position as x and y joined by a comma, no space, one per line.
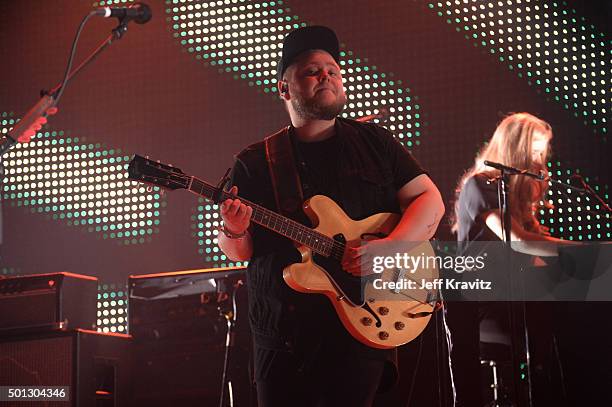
231,318
517,312
51,98
587,188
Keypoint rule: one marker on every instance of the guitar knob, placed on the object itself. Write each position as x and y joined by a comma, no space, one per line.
383,335
399,325
383,310
366,321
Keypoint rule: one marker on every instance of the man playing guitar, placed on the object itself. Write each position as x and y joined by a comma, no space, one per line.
303,355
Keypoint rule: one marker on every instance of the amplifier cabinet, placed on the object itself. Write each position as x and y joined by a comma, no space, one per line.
46,300
179,329
95,366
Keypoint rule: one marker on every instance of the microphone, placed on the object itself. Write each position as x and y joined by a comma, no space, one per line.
139,12
502,167
512,170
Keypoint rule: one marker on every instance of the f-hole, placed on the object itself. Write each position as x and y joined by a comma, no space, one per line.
366,307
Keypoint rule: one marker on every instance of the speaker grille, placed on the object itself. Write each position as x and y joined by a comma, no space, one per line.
37,362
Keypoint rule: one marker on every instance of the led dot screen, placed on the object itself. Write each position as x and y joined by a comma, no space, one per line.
244,39
548,44
112,314
110,3
6,122
576,216
207,221
82,184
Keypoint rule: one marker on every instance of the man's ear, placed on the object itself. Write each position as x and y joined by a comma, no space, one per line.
283,89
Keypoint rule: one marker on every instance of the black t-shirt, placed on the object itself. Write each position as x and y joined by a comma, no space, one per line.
477,197
320,166
361,168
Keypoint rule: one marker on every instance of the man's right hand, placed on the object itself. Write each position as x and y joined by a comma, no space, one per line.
236,215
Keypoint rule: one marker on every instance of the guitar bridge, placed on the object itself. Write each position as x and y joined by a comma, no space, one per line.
399,276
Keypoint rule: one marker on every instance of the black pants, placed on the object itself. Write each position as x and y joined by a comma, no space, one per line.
327,377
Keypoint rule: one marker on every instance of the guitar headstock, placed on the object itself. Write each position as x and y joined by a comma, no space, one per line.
147,171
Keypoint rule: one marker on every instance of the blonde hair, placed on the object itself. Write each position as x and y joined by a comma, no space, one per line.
511,144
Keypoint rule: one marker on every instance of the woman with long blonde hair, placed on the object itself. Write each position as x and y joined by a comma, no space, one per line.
522,141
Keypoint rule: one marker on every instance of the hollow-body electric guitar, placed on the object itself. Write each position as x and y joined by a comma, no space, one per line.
379,310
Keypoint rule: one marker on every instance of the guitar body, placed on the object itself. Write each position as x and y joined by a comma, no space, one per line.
377,319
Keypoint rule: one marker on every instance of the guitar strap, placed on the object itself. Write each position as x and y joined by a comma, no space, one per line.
283,172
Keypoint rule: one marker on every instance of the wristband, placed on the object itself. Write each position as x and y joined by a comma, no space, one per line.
231,235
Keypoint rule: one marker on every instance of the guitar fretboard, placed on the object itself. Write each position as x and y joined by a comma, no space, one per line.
282,225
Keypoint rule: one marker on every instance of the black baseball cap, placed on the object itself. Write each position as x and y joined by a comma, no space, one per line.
304,39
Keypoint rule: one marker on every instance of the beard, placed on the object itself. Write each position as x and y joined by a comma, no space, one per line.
312,109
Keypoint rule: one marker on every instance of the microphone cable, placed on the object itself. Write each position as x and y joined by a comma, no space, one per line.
58,91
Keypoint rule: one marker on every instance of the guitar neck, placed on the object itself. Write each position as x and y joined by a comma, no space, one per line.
273,221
